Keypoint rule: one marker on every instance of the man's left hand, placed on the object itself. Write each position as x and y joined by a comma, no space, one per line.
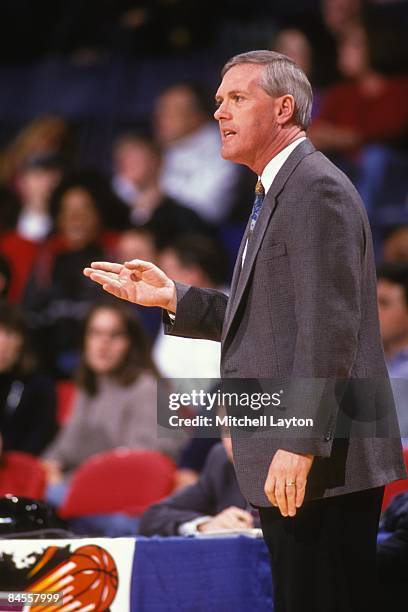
285,484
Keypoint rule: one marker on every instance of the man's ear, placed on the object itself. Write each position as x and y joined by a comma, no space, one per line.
286,109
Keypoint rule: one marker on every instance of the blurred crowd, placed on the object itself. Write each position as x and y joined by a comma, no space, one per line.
171,199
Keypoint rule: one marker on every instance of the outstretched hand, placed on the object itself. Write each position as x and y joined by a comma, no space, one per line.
137,281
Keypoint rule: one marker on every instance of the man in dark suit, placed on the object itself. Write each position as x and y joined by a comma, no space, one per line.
302,307
213,503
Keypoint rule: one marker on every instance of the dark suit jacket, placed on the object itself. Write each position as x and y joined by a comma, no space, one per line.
28,412
304,306
216,490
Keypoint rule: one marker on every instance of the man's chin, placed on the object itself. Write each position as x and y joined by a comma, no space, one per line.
228,154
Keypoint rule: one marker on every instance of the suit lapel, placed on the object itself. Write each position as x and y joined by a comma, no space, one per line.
240,276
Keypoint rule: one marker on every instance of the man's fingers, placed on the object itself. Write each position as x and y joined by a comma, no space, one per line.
280,494
300,492
139,264
103,278
106,266
116,291
269,490
290,489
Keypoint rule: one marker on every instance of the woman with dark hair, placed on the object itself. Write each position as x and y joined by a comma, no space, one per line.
116,399
27,398
58,295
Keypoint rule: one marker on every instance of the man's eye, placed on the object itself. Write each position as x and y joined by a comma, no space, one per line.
238,98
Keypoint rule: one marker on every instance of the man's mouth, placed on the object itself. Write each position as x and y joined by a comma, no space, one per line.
228,134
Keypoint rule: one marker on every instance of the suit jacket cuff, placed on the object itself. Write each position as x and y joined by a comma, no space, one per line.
171,320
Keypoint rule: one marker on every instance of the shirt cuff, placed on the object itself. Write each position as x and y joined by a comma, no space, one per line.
191,527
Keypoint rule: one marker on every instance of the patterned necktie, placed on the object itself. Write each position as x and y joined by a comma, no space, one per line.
256,209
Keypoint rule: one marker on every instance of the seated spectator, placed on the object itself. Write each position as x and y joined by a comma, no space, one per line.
392,556
367,107
58,295
136,243
35,182
395,247
193,172
115,405
137,165
340,15
139,243
21,255
392,288
45,135
193,260
19,251
27,398
295,44
214,503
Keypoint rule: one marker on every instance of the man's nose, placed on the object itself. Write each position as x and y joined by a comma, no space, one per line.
222,112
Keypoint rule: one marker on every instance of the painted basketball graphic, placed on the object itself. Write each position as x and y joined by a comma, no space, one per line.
95,577
88,579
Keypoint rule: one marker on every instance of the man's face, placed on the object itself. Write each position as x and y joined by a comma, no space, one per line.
11,343
247,117
35,186
175,115
106,342
137,162
171,264
393,311
396,245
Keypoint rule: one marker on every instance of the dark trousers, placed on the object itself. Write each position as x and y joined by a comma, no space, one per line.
324,558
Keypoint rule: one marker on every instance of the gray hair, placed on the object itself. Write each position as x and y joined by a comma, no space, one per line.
281,76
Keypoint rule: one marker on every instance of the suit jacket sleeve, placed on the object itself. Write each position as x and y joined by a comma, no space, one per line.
200,313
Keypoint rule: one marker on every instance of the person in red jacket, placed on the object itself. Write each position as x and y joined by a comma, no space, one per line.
366,107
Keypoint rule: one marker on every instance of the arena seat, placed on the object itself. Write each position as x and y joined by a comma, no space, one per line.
398,486
122,480
22,474
65,396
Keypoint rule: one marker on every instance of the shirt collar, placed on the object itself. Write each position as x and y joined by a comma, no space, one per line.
272,168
